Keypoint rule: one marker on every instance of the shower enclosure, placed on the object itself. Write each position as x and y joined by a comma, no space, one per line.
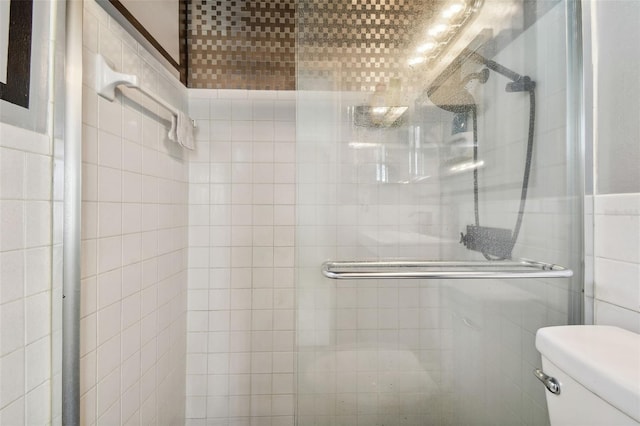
439,205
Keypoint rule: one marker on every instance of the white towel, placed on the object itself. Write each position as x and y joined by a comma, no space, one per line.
184,130
173,137
181,130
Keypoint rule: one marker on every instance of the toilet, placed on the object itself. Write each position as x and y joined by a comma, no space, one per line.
592,375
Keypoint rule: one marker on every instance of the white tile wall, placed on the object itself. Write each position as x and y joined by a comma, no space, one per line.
25,275
617,260
134,241
240,367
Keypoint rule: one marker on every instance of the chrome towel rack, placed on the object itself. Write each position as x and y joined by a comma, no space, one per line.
107,80
433,269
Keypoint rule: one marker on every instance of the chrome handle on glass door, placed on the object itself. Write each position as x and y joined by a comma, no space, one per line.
421,269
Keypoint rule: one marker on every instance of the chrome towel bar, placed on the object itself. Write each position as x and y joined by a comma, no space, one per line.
401,269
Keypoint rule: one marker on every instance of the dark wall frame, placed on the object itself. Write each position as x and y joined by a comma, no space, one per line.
134,23
16,89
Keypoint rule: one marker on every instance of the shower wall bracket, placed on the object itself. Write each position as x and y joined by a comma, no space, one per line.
107,80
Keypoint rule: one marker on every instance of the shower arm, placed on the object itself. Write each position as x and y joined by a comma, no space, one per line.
494,66
519,83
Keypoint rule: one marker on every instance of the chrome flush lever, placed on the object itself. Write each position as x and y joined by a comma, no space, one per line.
550,382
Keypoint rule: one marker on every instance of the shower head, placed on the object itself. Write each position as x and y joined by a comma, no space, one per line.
451,95
454,97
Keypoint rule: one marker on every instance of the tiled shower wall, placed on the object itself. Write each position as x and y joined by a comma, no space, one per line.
240,367
134,241
30,273
25,276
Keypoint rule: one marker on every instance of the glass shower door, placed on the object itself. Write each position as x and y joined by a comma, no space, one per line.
420,140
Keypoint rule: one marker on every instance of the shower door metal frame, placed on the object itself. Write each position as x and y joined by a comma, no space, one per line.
576,150
71,238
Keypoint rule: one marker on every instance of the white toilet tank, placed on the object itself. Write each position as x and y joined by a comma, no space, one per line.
597,369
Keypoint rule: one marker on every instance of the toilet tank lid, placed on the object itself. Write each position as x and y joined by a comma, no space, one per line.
604,359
